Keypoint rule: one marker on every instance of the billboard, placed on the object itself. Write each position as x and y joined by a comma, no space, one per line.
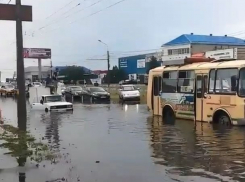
8,12
37,53
141,63
222,54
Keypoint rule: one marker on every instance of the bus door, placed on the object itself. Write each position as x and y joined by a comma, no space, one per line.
200,94
156,89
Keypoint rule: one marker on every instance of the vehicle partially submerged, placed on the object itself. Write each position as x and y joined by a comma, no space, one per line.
51,103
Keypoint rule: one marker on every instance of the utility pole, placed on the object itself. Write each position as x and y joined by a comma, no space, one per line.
108,70
51,71
108,64
21,104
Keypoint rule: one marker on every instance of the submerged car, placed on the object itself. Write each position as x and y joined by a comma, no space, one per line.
98,94
129,93
8,89
52,103
75,90
37,84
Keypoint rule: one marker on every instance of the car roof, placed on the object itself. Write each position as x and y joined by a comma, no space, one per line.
49,95
74,87
95,87
127,85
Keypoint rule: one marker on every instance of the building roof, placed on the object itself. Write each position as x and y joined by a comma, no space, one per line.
206,39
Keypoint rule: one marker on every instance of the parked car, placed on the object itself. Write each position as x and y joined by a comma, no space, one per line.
75,90
98,94
8,89
37,84
51,103
129,92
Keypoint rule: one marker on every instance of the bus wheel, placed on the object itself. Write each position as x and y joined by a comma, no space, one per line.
168,115
222,118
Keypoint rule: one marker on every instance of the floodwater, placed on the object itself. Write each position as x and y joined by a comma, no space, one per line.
123,143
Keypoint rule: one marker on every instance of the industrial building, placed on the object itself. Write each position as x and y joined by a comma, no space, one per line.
138,64
187,45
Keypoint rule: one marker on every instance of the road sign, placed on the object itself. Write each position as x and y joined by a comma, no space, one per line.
37,53
8,12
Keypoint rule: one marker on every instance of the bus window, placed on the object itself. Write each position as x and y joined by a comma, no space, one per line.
226,81
186,81
157,85
199,87
211,81
242,82
169,82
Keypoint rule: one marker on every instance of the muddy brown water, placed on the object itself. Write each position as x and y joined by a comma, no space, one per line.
123,143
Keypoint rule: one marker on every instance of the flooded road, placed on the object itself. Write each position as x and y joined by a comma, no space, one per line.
123,143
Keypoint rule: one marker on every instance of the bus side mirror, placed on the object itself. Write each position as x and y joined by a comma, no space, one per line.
41,101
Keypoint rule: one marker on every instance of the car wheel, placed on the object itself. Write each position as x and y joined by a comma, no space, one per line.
46,109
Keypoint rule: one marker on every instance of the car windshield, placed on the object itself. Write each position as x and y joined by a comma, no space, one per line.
128,88
97,89
76,88
9,86
57,98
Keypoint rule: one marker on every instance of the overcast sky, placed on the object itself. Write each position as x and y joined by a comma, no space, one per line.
72,31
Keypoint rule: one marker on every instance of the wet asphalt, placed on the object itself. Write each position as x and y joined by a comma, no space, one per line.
123,143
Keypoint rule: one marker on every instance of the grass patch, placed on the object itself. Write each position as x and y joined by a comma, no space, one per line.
22,145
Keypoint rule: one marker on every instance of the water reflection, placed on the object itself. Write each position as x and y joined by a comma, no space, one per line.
201,150
52,130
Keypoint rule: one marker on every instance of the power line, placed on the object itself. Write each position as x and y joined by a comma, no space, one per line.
60,9
92,14
59,19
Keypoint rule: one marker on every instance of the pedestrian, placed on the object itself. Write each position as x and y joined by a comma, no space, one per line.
48,81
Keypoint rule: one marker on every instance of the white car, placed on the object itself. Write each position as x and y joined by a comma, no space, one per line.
37,84
129,92
52,103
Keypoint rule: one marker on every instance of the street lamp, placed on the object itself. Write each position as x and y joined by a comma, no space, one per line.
108,64
104,44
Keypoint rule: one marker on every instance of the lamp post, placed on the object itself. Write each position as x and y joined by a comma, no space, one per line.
108,64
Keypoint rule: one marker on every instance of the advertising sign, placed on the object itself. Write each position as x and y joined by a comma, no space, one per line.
37,53
123,64
222,54
141,63
8,12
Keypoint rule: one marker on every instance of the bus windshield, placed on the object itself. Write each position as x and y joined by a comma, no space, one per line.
242,83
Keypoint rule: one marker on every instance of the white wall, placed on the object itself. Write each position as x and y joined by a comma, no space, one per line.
167,57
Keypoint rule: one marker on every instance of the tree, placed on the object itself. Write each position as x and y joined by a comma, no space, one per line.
115,75
152,64
74,73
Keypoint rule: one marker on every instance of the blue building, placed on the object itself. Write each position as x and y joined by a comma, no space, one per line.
136,65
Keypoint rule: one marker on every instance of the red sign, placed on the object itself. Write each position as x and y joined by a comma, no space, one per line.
8,12
37,53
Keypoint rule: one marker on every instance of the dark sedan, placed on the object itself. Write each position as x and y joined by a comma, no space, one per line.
98,94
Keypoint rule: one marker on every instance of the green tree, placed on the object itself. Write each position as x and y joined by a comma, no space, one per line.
115,75
152,64
73,73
